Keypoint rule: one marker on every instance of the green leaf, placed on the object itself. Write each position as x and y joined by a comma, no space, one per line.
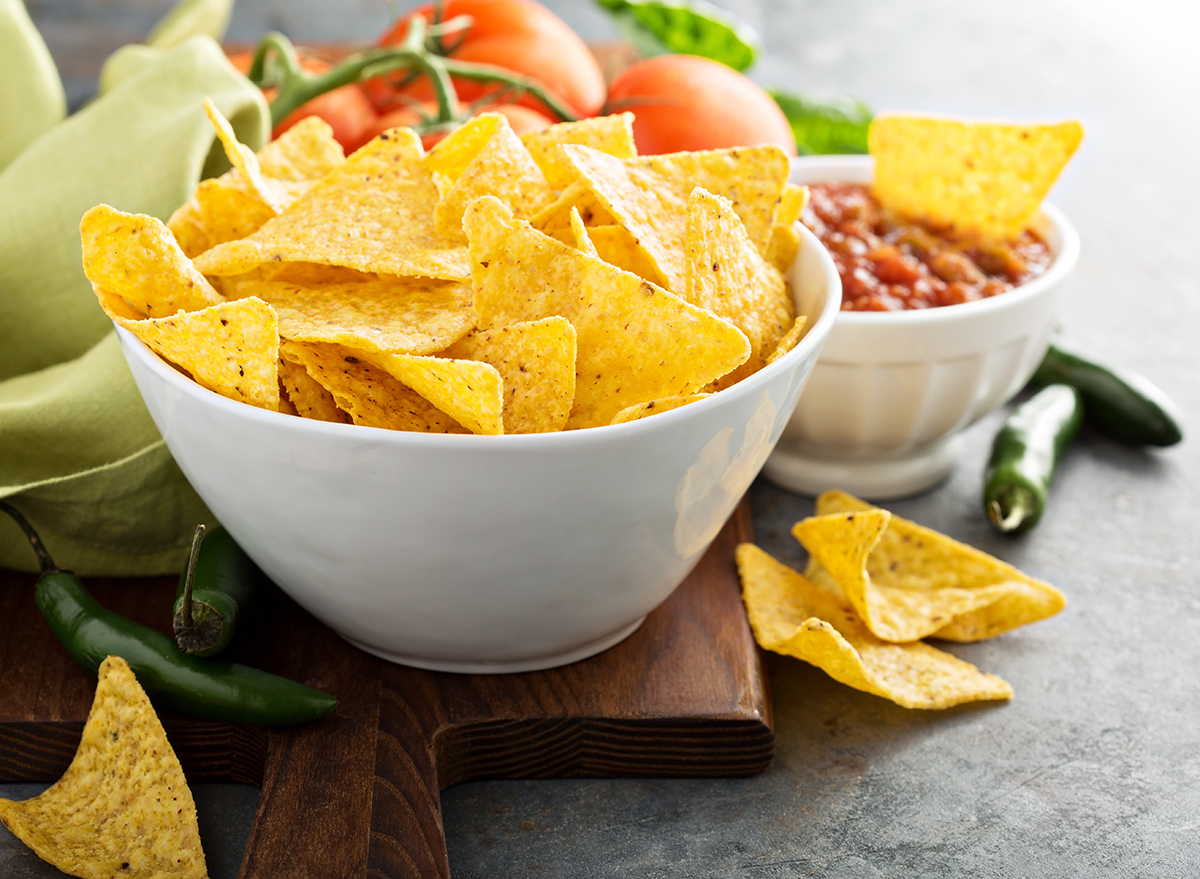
824,125
685,27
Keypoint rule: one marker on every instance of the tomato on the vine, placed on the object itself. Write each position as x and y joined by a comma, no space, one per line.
518,35
683,102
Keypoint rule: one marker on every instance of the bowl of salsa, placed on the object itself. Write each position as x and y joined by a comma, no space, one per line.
936,330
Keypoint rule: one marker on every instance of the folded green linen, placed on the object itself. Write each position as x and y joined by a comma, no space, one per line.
78,451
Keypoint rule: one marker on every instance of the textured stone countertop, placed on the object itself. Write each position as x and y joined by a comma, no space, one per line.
1094,768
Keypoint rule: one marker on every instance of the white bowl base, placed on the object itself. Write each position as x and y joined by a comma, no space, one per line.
539,663
875,479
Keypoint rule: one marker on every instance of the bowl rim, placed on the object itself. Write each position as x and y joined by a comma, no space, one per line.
1064,262
813,338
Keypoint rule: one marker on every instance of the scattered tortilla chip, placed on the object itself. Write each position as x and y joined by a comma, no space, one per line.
305,394
648,194
795,617
231,348
790,339
608,134
504,169
555,218
306,151
273,193
374,214
654,407
726,275
217,212
636,341
580,235
615,245
536,360
914,574
986,178
365,312
453,154
370,395
123,807
470,392
136,258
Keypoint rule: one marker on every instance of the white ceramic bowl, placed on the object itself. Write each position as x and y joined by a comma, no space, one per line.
892,390
484,553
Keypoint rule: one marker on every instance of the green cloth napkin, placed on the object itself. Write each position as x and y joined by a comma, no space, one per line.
78,451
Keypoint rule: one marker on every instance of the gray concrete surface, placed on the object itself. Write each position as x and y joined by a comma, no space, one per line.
1093,770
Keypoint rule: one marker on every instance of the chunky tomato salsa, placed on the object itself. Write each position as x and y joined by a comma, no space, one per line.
891,264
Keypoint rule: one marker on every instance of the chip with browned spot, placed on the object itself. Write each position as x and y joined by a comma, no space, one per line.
795,617
654,407
306,395
470,392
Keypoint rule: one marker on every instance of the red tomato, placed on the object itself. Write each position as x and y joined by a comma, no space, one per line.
518,35
683,102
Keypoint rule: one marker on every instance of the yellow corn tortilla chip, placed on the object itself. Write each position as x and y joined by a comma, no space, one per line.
792,202
365,312
654,407
231,348
136,258
789,340
555,218
306,151
616,246
910,558
123,807
636,341
217,212
795,617
115,306
726,275
783,246
370,395
273,193
504,169
579,233
986,178
608,134
648,195
374,213
536,360
451,156
305,394
470,392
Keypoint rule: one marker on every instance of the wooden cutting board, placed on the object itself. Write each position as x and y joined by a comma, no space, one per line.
357,794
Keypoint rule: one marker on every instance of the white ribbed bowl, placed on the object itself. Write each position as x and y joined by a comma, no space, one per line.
892,390
484,553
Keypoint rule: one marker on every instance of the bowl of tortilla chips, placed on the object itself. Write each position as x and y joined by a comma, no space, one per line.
886,404
480,409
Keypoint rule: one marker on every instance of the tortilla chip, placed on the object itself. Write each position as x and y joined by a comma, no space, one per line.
123,807
504,169
136,258
783,246
536,360
555,218
305,394
648,195
726,275
115,306
364,312
231,348
654,407
914,575
470,392
608,134
636,341
306,151
272,193
370,395
986,178
217,212
580,235
792,616
789,341
792,202
616,246
373,214
453,154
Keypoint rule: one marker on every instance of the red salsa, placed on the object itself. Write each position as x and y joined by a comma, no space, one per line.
891,264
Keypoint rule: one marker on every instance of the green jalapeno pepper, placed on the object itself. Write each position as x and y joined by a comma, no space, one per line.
211,689
213,590
1125,406
1025,456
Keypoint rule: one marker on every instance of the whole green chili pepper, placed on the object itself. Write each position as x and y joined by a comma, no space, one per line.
1025,455
213,590
1125,406
211,689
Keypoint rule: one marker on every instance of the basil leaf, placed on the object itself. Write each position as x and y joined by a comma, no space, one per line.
824,125
686,27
